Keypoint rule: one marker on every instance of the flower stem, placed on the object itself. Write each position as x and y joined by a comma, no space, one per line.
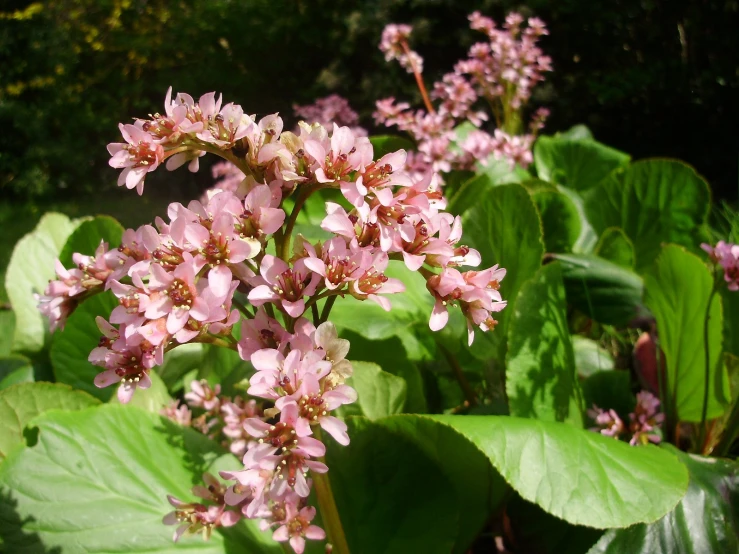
707,381
329,512
419,79
305,192
327,309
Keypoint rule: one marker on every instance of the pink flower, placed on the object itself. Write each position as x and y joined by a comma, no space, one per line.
374,282
726,255
394,45
645,422
607,422
139,155
297,527
279,283
338,264
329,110
335,160
128,368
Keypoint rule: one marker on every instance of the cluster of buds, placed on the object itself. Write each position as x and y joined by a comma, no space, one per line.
328,110
644,422
727,256
502,72
232,258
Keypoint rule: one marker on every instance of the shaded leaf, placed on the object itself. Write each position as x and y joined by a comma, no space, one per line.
495,173
384,144
541,381
380,393
86,238
590,358
614,246
15,369
559,218
610,390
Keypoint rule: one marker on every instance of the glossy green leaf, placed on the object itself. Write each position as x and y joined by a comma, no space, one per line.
590,358
97,481
559,218
654,202
495,173
614,246
579,164
610,390
602,290
505,227
7,326
30,268
588,238
223,366
541,381
86,238
391,355
677,292
15,369
576,132
19,404
71,346
479,489
577,475
380,465
380,393
705,521
178,363
384,144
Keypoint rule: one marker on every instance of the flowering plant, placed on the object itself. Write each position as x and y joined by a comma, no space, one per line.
311,358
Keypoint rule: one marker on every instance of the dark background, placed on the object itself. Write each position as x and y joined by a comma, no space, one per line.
650,77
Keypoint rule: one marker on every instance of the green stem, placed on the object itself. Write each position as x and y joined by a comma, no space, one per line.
325,294
730,432
327,309
329,512
226,155
243,309
305,192
707,380
314,312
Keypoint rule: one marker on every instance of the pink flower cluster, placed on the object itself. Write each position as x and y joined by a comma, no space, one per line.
502,72
644,421
394,44
331,109
727,256
232,257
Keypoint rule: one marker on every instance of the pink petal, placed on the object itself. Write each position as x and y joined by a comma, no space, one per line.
219,281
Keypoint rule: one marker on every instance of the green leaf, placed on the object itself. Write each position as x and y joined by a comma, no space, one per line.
587,239
495,173
380,465
704,522
730,301
7,324
654,202
71,346
534,530
615,247
97,481
15,369
560,220
86,238
19,404
504,226
178,363
590,358
479,489
384,144
380,393
541,381
610,390
602,290
30,268
576,132
222,366
391,355
576,475
677,293
579,164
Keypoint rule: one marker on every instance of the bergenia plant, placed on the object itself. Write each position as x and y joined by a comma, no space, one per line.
499,73
233,258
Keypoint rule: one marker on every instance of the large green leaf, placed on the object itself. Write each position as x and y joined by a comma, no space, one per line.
579,164
541,381
71,347
21,403
7,324
97,481
384,144
654,202
178,363
30,268
577,475
706,520
677,293
590,358
575,132
601,289
559,218
389,493
496,172
223,366
15,369
86,238
610,390
479,489
588,238
505,227
380,393
615,246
